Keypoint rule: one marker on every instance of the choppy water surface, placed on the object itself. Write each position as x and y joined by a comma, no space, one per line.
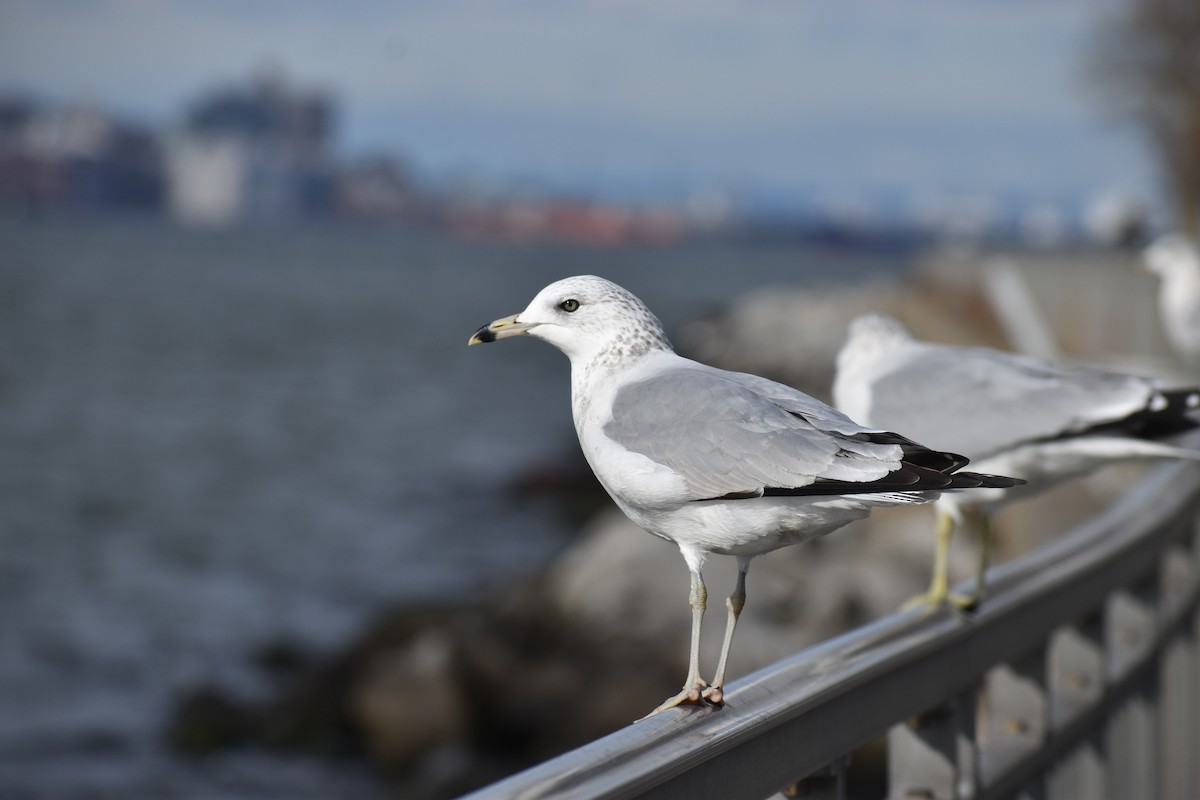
210,441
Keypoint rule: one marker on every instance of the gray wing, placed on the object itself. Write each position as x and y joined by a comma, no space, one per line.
725,437
977,401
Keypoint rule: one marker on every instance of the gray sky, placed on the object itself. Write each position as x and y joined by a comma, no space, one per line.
818,97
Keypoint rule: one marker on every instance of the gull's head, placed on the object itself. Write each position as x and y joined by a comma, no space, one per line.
587,318
876,332
870,340
1172,254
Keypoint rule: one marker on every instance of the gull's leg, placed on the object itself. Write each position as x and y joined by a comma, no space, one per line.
939,584
973,601
715,692
693,686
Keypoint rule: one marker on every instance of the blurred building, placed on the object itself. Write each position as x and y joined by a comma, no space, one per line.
74,156
381,189
257,152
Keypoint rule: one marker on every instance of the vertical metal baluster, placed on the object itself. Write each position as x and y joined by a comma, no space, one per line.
1081,774
1195,667
933,755
1076,670
1016,716
1177,730
1194,680
1076,677
1178,578
826,784
1177,724
1131,624
967,705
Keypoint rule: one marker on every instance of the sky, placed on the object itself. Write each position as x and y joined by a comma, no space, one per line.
649,98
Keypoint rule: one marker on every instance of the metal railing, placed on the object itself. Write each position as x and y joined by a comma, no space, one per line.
1079,677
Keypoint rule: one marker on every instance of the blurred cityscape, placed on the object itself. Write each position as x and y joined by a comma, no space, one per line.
263,151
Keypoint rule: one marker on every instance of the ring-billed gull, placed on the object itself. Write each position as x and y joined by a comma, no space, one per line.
1008,413
715,461
1176,261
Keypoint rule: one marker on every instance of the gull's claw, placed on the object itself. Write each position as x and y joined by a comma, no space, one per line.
695,695
932,600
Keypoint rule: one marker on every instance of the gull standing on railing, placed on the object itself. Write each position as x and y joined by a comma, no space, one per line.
715,461
1011,414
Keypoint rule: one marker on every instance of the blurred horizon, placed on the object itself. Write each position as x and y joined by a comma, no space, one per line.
772,107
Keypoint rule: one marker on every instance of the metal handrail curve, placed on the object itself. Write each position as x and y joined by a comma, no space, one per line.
797,716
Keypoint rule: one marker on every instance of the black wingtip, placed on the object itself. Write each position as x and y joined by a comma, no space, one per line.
978,480
918,454
1179,413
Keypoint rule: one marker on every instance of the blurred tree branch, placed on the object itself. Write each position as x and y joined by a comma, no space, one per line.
1147,61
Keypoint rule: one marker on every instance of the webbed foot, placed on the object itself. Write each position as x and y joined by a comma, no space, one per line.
965,603
698,694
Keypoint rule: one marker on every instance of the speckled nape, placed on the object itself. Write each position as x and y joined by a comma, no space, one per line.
633,342
631,331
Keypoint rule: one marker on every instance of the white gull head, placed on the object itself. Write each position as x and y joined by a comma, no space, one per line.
1172,255
596,323
870,340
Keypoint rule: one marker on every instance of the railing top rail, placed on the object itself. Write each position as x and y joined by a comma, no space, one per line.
842,693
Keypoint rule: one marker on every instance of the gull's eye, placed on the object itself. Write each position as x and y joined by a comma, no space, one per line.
569,305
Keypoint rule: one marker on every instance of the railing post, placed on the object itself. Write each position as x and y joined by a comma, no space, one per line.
1194,676
1015,716
933,756
1081,774
1132,741
1179,731
827,784
1076,676
1076,667
1194,679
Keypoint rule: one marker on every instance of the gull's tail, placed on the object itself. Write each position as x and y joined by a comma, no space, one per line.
921,475
948,465
978,480
951,481
1150,431
1169,412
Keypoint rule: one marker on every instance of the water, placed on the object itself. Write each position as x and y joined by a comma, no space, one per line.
211,441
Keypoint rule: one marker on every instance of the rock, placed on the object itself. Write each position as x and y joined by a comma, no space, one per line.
281,658
407,701
209,719
445,700
564,485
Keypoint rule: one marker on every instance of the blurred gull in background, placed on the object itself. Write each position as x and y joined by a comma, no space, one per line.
1175,260
1010,414
715,461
